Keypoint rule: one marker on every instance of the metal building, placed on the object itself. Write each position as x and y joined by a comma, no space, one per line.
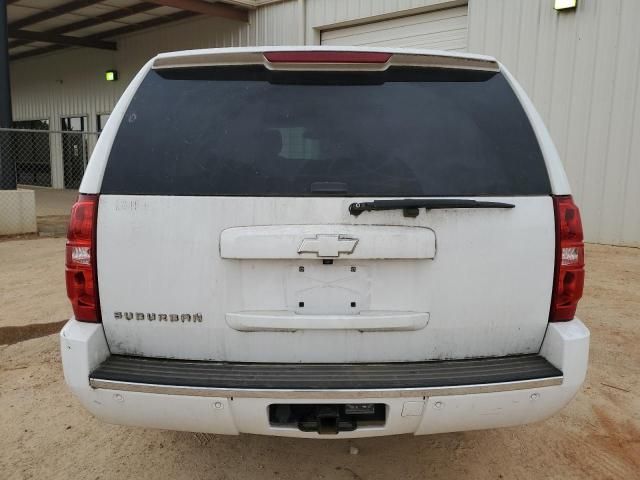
581,66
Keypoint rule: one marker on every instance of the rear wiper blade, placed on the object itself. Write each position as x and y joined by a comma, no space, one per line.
411,206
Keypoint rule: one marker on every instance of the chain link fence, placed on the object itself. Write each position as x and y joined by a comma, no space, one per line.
40,173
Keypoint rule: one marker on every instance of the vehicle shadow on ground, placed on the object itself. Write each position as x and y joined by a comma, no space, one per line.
400,456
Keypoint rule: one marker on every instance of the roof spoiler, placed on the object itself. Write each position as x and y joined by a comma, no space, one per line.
322,60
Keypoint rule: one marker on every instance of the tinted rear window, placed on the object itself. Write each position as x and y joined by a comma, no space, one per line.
251,131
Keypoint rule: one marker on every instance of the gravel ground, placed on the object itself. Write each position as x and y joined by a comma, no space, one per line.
46,434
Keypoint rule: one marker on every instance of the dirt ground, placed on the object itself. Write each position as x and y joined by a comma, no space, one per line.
32,289
44,433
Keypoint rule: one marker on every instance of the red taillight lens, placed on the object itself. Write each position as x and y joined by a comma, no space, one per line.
80,272
327,57
568,281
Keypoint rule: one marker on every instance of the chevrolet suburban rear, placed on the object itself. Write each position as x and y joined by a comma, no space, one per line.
310,241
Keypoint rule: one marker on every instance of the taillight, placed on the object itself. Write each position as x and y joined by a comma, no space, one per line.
327,57
568,280
81,275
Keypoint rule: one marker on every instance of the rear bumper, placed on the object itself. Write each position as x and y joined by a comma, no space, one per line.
497,393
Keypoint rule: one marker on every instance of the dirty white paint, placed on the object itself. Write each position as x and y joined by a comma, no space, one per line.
83,347
254,263
317,241
365,321
487,290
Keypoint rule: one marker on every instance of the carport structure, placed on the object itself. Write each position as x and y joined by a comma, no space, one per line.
29,28
54,25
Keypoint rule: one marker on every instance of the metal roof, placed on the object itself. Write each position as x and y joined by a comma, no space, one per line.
41,26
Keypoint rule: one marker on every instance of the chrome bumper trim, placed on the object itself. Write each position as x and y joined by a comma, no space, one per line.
324,394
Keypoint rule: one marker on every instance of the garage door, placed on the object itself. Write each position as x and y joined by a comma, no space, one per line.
440,30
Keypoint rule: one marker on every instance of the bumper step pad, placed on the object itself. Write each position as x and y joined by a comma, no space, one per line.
291,376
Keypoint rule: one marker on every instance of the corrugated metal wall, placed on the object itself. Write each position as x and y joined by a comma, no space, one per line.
581,69
277,24
71,82
333,13
444,29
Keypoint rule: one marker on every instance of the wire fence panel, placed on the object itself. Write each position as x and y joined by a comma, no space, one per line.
40,170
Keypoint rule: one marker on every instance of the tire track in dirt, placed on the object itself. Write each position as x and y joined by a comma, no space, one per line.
621,439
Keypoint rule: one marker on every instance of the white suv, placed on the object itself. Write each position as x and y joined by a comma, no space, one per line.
305,242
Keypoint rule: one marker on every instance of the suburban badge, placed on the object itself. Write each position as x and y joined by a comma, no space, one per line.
159,317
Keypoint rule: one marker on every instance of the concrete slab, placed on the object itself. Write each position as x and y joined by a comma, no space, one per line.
50,201
17,212
53,207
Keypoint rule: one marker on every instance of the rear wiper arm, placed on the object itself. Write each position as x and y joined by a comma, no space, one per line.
411,206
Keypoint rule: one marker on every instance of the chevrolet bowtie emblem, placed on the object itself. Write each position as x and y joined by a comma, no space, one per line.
328,245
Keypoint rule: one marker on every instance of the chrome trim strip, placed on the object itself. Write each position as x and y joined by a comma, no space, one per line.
322,394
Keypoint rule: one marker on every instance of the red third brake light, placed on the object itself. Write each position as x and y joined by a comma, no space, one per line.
327,57
80,272
568,280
